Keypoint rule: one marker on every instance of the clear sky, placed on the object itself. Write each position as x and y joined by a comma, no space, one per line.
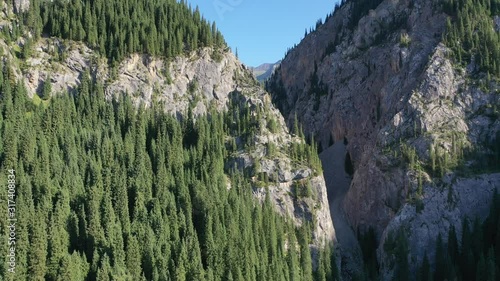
263,30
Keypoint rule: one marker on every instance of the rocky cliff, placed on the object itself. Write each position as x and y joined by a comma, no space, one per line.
384,84
464,198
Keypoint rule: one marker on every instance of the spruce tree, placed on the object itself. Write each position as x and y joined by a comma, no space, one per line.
439,274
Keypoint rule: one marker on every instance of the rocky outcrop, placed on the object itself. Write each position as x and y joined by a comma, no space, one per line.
21,6
284,178
440,112
458,199
197,80
13,6
60,62
314,208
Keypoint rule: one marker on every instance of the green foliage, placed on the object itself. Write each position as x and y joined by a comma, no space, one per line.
471,33
302,189
396,246
217,55
327,268
272,125
424,272
270,149
305,154
302,152
330,48
446,154
108,192
193,86
410,155
46,89
27,49
441,259
457,155
239,119
275,86
404,40
486,158
117,28
368,244
317,87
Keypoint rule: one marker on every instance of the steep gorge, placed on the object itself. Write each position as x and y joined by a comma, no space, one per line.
338,182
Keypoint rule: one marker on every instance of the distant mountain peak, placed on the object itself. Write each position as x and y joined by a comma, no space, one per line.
265,70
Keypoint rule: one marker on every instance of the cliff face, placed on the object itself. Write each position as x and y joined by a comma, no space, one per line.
356,90
385,86
197,81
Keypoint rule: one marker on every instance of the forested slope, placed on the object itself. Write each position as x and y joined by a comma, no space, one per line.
158,183
105,192
118,28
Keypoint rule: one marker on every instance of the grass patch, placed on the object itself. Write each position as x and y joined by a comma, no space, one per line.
38,101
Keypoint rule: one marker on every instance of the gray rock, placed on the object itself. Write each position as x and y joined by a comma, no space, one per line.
284,175
240,162
302,174
21,6
303,208
470,198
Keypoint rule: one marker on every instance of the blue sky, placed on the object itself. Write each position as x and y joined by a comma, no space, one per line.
262,30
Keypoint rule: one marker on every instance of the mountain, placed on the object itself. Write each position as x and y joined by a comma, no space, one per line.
413,96
131,159
264,71
135,145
